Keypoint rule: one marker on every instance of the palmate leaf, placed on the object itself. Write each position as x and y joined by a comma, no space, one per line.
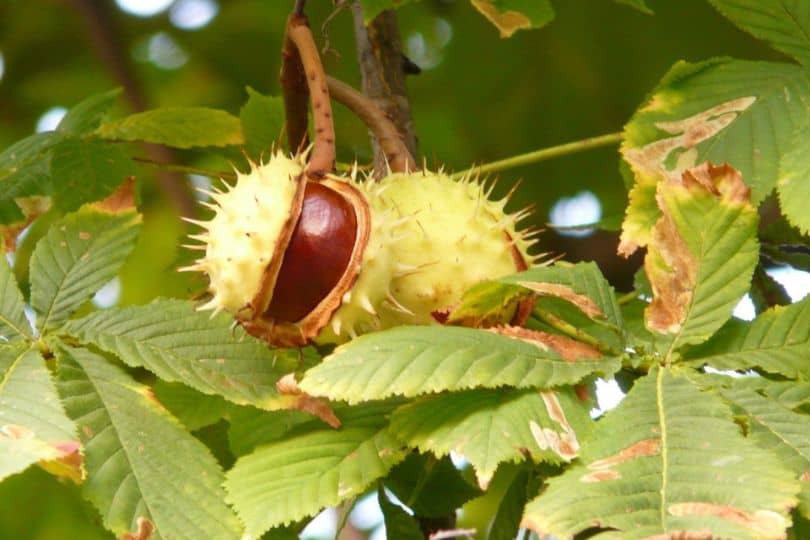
180,344
777,341
414,360
702,254
33,424
721,110
785,24
780,431
78,255
668,461
314,466
794,179
13,324
490,427
180,127
141,463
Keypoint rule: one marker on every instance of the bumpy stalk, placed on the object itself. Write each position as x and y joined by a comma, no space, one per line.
322,160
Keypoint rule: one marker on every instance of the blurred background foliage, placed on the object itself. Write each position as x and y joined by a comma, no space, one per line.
478,98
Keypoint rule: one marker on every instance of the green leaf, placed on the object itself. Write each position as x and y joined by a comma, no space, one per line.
262,120
640,5
785,24
506,524
25,169
194,409
583,279
721,110
313,467
33,424
414,360
78,256
250,427
794,180
180,344
777,341
13,324
490,427
180,127
398,523
429,486
372,8
88,114
779,431
509,16
668,461
702,256
85,170
487,304
141,463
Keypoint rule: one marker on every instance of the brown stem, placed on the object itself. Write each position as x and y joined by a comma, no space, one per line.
398,156
323,154
295,92
379,51
106,39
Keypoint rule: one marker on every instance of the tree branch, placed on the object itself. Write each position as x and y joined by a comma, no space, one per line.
379,51
398,156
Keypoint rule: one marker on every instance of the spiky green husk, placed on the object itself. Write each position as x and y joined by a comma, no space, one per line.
359,311
245,230
452,238
430,239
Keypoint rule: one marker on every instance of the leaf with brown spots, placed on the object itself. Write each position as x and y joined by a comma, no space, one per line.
581,284
33,425
566,347
414,360
721,110
143,531
509,16
80,254
121,200
298,400
702,253
490,427
659,465
776,428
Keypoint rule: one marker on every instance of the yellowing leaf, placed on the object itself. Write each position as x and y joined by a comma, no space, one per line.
702,253
509,16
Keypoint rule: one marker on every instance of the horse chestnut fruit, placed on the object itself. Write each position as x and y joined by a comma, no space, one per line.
297,261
